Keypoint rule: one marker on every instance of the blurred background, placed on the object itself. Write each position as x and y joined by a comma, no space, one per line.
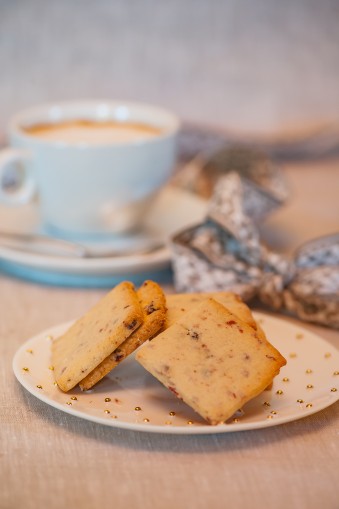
249,66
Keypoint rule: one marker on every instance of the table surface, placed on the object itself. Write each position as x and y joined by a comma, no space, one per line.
50,459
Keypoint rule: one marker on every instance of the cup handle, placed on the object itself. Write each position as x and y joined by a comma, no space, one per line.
17,185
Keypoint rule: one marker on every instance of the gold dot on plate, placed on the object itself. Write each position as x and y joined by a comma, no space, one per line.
54,383
309,405
309,386
333,389
137,409
74,398
292,355
25,369
107,411
336,373
299,335
300,401
146,420
39,386
279,392
51,368
189,422
267,403
270,417
274,412
235,420
114,416
29,350
107,400
308,371
171,413
285,379
168,422
69,403
327,355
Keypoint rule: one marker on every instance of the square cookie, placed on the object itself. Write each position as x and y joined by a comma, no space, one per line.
212,360
97,334
180,303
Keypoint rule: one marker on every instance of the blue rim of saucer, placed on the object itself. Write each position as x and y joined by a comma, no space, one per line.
51,278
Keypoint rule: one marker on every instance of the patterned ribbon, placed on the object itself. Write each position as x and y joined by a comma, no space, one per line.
226,253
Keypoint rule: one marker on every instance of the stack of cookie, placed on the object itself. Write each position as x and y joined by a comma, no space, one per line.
206,348
118,324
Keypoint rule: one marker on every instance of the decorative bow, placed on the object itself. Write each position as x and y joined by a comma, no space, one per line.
226,253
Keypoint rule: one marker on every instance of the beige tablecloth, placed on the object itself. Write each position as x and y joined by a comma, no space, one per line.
49,459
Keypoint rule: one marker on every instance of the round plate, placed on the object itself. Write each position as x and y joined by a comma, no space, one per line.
131,398
172,210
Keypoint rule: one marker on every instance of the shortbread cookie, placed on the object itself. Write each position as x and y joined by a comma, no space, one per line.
94,336
212,360
178,304
153,303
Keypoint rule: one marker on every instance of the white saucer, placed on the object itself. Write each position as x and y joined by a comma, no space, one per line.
172,210
133,399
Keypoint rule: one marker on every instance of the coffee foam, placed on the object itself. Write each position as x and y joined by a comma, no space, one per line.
92,132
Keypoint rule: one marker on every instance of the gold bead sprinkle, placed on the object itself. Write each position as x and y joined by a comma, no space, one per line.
235,420
168,422
25,369
279,392
29,350
39,386
309,405
137,408
69,403
146,420
333,389
267,403
293,355
114,416
300,401
285,379
336,373
74,398
107,400
51,368
308,371
189,422
54,383
274,412
309,386
171,413
270,417
107,411
327,355
299,335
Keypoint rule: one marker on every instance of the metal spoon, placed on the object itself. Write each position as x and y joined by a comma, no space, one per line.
43,244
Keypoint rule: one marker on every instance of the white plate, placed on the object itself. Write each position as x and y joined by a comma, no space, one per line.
173,210
131,398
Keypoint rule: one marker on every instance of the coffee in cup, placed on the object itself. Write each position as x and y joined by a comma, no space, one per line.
92,132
